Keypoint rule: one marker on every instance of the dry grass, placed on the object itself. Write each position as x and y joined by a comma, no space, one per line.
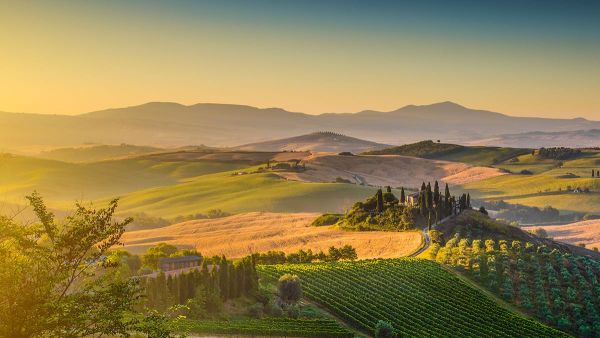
242,234
392,170
586,232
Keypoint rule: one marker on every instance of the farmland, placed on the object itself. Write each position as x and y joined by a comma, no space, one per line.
325,328
418,297
242,234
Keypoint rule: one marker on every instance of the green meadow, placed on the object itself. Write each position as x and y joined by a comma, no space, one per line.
552,182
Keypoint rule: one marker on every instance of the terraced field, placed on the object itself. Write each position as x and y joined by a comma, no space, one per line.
419,298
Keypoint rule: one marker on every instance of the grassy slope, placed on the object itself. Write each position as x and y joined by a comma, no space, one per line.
96,152
482,155
62,183
542,188
253,192
453,152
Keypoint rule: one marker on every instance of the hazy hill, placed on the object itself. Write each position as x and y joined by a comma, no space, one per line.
319,141
96,152
538,139
172,124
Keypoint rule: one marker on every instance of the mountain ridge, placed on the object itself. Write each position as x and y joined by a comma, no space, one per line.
169,124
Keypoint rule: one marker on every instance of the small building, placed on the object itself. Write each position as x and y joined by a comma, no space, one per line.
175,263
412,199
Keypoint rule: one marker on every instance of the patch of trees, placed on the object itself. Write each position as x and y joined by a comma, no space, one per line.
559,288
435,206
557,153
384,211
522,213
333,254
203,290
145,221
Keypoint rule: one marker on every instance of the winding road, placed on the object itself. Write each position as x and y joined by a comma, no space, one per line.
427,238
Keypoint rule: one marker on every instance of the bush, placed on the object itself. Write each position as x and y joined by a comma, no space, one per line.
273,309
290,289
342,180
255,310
540,232
293,311
326,219
526,172
384,330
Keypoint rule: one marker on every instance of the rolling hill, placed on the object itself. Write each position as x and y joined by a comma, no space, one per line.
584,232
170,124
240,235
94,153
316,142
453,152
392,170
560,184
538,139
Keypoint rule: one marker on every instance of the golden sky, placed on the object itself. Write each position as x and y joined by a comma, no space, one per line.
75,57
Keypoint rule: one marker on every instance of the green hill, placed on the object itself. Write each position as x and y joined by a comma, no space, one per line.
62,183
96,153
418,297
242,193
561,184
452,152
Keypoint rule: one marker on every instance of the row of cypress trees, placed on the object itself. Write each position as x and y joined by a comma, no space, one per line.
222,279
434,206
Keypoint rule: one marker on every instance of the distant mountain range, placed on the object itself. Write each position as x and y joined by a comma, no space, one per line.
171,124
318,141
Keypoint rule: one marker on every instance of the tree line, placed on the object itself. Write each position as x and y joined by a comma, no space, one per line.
347,252
202,290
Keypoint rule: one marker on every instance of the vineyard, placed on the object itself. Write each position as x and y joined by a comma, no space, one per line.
561,289
326,328
418,297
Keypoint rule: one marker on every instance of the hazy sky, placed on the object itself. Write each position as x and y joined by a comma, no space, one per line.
538,58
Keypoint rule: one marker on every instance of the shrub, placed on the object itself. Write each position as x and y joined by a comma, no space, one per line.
326,219
293,311
526,172
290,289
255,310
540,232
384,330
342,180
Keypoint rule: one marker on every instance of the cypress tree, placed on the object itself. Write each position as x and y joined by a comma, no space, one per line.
468,201
402,196
593,171
388,189
447,196
379,201
436,193
224,278
429,197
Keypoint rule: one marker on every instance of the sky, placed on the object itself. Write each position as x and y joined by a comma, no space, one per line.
526,58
